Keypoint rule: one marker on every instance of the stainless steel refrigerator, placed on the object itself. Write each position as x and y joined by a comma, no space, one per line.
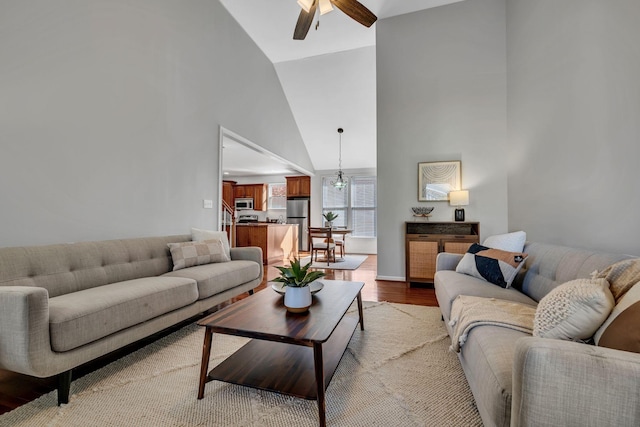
298,213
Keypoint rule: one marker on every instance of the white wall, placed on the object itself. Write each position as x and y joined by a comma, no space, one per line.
110,111
318,87
441,96
574,128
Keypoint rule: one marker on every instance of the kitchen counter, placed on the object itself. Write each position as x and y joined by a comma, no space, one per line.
279,242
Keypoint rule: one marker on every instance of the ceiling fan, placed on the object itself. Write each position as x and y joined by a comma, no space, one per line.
353,8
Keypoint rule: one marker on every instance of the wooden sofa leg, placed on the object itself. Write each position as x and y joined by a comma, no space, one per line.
64,386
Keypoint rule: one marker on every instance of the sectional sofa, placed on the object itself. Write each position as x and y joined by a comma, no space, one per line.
521,380
67,304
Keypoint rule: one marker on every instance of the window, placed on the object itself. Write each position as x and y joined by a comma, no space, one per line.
355,205
277,196
363,206
336,201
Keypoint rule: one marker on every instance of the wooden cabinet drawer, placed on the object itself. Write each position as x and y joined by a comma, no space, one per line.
456,247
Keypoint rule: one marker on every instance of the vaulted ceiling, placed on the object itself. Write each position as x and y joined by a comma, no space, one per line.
328,78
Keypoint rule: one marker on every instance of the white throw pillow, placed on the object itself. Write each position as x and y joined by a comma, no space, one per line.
199,235
510,242
574,310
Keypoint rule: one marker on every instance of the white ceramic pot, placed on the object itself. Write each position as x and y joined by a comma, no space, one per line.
297,300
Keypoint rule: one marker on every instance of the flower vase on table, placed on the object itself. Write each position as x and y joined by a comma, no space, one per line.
329,217
298,299
297,278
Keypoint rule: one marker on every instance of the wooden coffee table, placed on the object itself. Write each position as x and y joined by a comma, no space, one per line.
294,354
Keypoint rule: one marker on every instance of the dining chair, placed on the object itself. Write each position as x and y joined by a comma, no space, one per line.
321,240
339,240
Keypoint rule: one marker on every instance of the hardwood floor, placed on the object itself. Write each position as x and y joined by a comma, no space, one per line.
17,389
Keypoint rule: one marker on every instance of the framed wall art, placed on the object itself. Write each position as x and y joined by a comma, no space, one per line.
437,179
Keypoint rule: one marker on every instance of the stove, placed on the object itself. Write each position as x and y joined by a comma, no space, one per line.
243,219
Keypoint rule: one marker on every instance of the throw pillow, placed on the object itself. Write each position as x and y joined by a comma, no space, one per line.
198,235
622,276
189,254
573,310
620,330
512,242
493,265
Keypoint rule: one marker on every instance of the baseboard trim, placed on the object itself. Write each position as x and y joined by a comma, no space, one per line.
391,278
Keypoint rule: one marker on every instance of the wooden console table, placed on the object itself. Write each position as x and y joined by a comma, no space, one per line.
424,240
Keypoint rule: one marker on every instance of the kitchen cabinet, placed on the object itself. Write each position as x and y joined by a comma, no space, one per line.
298,186
424,240
257,192
227,192
260,193
279,242
241,191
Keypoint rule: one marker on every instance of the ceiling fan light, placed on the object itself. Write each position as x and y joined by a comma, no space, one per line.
305,5
325,6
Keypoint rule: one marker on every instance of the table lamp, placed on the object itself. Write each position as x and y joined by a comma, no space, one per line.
457,199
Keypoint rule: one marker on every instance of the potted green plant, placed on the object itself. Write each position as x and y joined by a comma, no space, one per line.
296,278
329,217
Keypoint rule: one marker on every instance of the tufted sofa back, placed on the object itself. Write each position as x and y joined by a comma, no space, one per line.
71,267
548,266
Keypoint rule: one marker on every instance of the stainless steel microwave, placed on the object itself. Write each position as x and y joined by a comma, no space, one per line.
244,204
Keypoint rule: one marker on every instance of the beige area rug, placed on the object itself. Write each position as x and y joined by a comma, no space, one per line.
349,262
398,372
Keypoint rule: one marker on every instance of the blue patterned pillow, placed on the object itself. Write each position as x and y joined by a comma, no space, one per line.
493,265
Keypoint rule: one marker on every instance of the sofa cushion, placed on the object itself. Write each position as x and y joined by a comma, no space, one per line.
494,265
487,360
510,242
189,254
549,266
72,267
215,278
573,310
620,330
198,235
449,285
81,317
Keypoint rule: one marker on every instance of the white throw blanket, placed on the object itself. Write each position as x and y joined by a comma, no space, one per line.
468,312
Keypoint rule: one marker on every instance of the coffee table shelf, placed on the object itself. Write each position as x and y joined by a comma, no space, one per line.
270,365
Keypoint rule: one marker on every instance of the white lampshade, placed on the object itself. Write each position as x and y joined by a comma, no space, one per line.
305,4
459,198
325,6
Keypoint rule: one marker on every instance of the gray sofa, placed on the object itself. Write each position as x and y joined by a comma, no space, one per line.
520,380
64,305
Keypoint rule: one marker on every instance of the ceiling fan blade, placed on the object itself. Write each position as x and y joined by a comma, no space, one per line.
304,22
356,11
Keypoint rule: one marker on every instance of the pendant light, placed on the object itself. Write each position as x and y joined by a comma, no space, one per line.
341,182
